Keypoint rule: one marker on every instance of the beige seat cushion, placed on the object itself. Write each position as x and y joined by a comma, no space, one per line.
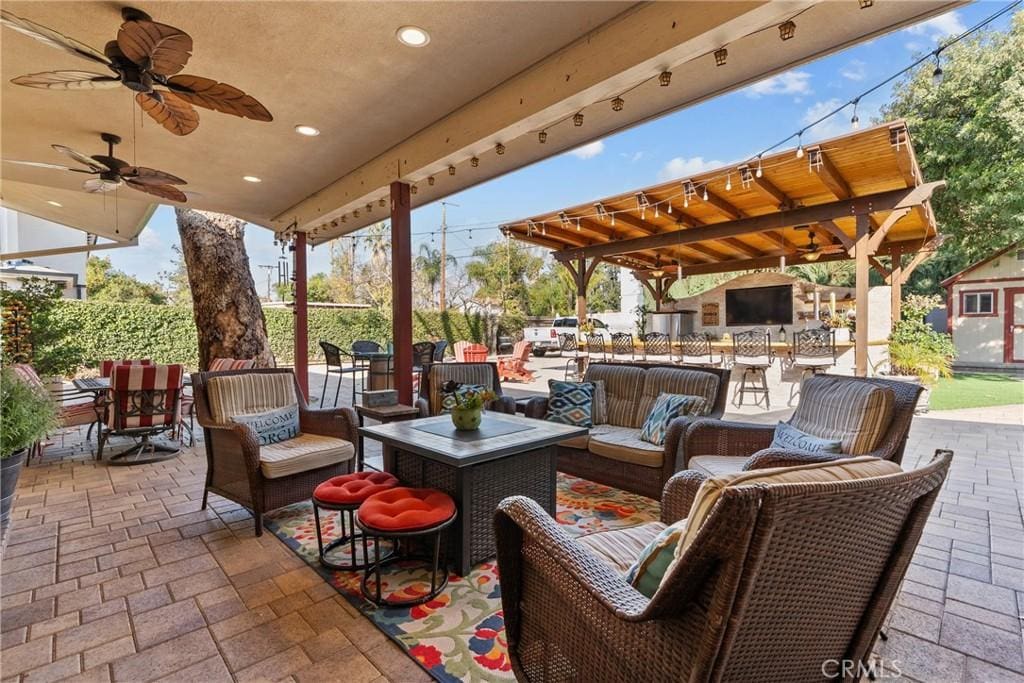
622,385
675,381
847,469
716,465
855,412
304,452
620,548
250,393
624,444
577,442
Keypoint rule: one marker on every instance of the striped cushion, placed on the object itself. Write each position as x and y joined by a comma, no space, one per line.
676,381
107,366
303,453
710,490
620,548
250,393
464,373
600,412
856,412
655,559
622,390
161,385
27,374
221,364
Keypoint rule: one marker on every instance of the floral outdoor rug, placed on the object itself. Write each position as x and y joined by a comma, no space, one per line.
458,636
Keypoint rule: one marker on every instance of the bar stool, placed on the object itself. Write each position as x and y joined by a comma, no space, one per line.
752,353
399,515
345,493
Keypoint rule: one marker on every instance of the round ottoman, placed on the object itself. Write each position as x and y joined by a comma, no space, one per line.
402,514
345,493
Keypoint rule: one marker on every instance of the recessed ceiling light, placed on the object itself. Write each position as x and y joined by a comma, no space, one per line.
413,36
308,131
53,203
251,179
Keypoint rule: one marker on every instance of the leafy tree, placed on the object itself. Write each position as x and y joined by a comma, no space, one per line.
374,276
969,130
342,278
283,291
50,343
104,283
318,288
428,266
502,272
603,293
174,281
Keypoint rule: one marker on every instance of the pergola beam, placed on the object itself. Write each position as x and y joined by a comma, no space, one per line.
831,177
774,194
882,201
879,234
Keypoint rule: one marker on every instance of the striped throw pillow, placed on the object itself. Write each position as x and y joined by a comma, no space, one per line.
855,412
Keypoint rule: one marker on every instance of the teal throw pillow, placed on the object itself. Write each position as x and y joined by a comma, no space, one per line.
667,408
273,426
789,438
571,403
654,562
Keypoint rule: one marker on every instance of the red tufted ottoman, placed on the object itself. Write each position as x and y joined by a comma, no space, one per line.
345,494
401,514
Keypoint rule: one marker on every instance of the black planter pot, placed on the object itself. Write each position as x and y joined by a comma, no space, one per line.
10,469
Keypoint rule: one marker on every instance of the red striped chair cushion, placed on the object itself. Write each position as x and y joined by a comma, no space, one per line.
130,384
26,373
107,366
219,364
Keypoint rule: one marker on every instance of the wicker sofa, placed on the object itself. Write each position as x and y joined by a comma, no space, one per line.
779,580
484,374
827,403
264,478
613,454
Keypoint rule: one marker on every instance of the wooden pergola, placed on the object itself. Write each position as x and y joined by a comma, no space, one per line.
859,196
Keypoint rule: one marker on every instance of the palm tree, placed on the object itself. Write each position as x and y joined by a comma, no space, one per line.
428,263
835,273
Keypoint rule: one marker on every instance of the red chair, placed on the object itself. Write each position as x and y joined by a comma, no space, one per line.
107,366
513,368
188,402
468,352
103,400
71,415
143,403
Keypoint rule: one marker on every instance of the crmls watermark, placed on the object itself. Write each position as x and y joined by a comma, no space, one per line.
848,669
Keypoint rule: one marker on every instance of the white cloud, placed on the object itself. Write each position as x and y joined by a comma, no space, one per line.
856,70
948,24
589,151
788,83
680,167
831,127
632,158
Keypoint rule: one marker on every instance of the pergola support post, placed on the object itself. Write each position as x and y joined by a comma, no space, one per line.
401,289
863,265
896,284
301,315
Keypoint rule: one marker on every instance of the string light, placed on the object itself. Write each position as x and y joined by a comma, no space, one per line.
799,145
382,201
499,149
864,4
728,182
430,181
721,55
542,136
705,195
414,189
474,162
617,104
759,172
937,74
787,29
577,119
855,121
665,78
451,170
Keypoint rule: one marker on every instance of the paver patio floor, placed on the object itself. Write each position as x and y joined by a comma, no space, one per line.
114,573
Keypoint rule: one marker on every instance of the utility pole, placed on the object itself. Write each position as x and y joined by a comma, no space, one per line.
269,269
444,252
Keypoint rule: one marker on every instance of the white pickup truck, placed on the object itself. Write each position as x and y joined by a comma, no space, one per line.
545,339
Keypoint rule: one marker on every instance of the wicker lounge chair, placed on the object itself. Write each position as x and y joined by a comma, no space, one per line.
484,374
780,580
264,478
717,447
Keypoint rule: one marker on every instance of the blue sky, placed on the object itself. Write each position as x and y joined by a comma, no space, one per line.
731,127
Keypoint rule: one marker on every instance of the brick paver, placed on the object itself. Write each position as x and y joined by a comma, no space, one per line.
115,574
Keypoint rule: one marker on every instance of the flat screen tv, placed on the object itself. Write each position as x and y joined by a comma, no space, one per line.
759,306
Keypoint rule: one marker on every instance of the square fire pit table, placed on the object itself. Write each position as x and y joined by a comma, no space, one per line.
509,455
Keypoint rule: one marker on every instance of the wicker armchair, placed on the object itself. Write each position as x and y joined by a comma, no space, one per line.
716,447
235,469
484,374
781,579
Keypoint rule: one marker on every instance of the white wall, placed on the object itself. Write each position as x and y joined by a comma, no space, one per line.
979,340
21,232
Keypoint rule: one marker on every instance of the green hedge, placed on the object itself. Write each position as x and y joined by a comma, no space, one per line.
167,334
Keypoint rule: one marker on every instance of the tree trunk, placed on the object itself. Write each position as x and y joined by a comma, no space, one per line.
227,310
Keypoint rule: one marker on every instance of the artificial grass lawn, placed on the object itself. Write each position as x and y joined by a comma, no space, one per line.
976,390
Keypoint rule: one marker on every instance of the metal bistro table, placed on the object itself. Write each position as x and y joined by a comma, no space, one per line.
509,455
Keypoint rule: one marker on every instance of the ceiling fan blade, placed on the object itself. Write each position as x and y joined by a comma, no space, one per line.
51,37
39,164
96,166
169,111
68,80
149,176
210,94
168,192
166,48
97,185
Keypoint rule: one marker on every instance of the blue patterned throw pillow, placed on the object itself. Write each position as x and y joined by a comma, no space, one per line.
448,400
789,438
571,403
667,408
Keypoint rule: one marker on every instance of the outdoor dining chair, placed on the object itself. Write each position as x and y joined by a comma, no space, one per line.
752,353
362,349
811,352
695,348
422,354
103,399
657,347
335,366
69,414
622,346
144,403
440,346
568,347
595,346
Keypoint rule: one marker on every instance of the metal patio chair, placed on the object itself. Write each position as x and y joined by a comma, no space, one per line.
622,345
752,352
696,349
657,347
812,351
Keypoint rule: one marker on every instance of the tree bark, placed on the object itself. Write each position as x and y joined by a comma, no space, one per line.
229,317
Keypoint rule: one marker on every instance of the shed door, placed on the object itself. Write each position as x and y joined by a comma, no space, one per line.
1014,348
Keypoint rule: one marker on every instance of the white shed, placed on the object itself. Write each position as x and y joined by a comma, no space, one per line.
986,311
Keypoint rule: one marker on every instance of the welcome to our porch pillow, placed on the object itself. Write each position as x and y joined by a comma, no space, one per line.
788,437
273,426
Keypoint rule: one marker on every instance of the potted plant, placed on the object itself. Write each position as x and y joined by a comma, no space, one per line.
842,324
27,414
917,353
469,405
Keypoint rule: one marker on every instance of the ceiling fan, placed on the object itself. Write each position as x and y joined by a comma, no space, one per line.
111,172
812,251
144,58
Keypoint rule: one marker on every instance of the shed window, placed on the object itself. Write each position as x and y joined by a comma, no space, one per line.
978,303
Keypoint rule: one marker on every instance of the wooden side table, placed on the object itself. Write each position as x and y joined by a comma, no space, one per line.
384,415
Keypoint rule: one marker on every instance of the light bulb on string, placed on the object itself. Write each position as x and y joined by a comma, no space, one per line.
937,74
705,195
670,207
728,182
855,120
759,172
799,145
657,211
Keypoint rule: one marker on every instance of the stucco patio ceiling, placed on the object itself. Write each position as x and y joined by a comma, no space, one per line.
491,73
